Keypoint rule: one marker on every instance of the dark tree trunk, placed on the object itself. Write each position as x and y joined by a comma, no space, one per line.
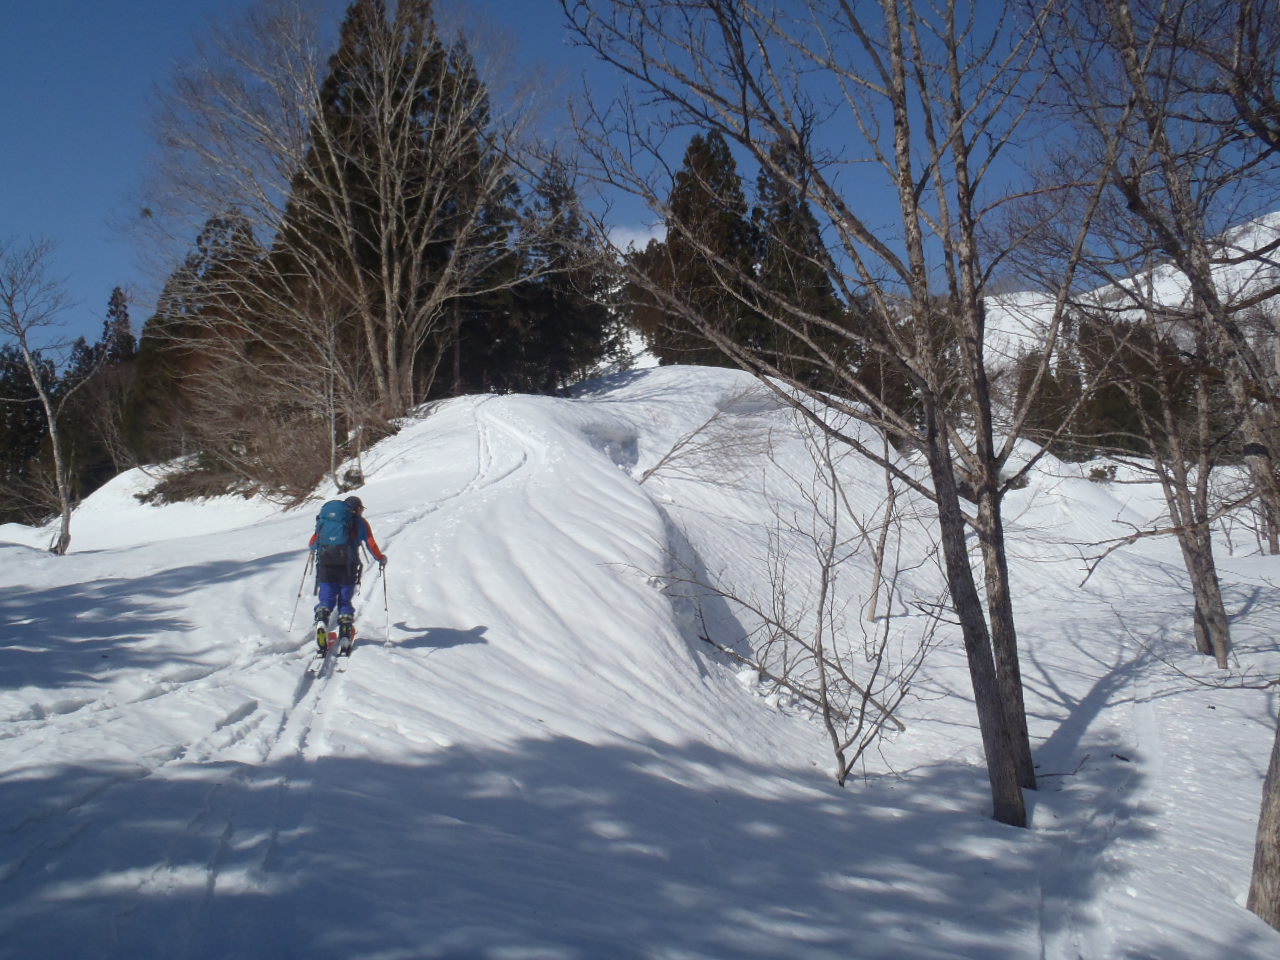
1212,626
1004,636
457,348
993,714
1264,891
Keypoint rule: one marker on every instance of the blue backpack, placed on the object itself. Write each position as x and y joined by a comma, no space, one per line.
337,537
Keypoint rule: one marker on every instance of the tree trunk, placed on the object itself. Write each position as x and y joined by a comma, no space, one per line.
882,544
1264,890
1004,636
457,348
61,479
1213,630
1002,768
63,543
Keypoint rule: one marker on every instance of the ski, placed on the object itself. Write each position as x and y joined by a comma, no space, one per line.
338,650
318,661
343,655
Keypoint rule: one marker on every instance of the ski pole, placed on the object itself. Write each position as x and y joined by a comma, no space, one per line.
386,632
311,556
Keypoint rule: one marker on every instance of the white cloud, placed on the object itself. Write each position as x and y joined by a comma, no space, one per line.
637,237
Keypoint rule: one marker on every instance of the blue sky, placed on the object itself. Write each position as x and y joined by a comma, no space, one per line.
77,77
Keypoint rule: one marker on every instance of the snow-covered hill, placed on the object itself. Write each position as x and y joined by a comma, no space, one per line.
533,755
1246,266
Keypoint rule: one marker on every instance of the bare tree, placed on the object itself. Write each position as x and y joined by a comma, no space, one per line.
1146,80
929,92
803,636
1188,89
31,304
375,213
268,427
1182,432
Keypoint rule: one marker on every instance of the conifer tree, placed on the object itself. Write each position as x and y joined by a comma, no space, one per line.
403,207
710,247
198,310
482,343
381,179
793,274
562,322
100,375
23,431
117,332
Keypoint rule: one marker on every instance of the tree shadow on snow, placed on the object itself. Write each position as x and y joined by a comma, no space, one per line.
549,848
1253,602
602,387
72,633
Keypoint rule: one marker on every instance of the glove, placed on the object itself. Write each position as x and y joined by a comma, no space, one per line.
382,562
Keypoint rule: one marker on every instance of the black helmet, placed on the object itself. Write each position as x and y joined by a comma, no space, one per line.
355,504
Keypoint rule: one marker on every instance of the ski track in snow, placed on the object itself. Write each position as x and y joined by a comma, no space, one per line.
282,740
489,472
278,748
1118,765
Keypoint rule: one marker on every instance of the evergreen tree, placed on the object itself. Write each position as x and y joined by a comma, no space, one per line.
710,246
797,288
198,305
117,332
813,336
1050,419
403,209
392,244
560,316
97,382
483,341
1142,385
23,433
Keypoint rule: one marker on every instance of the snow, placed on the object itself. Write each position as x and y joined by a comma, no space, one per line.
533,756
1242,272
1245,266
1016,325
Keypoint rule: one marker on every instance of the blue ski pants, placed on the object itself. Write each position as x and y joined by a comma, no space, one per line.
336,597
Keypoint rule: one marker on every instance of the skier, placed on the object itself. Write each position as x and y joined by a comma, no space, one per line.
340,531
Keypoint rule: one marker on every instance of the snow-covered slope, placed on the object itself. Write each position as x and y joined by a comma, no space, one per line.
1247,265
1240,272
533,755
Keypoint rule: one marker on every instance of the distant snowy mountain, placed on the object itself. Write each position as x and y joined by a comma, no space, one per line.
535,754
1247,262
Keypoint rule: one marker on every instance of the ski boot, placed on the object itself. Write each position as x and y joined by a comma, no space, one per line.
346,634
322,630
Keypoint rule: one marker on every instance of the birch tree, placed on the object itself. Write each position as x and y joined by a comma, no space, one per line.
32,304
